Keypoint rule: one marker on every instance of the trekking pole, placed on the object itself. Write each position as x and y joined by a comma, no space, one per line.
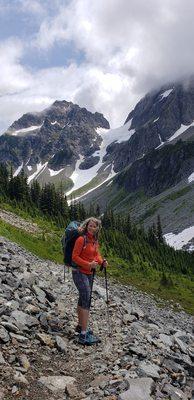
106,283
107,297
93,276
90,301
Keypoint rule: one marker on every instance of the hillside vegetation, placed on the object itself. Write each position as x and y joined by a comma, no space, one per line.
135,256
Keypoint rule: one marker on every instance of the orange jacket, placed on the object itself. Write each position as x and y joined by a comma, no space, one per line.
84,255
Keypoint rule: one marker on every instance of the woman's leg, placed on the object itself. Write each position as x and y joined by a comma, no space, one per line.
83,284
83,317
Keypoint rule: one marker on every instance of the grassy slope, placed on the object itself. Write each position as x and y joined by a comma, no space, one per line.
47,245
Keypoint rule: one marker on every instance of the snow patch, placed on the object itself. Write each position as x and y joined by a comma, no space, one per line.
161,142
25,130
107,167
111,175
39,169
109,183
156,119
29,167
53,173
165,94
191,178
16,173
55,123
182,129
179,240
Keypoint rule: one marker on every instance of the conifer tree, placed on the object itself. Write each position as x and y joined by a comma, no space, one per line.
159,230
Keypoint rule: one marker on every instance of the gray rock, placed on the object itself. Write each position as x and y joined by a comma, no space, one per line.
174,393
140,351
139,389
137,312
24,362
2,360
166,339
20,379
4,336
22,319
19,338
39,293
101,292
10,327
181,345
146,368
56,383
61,344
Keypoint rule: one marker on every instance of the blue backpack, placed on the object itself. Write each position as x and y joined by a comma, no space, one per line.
68,241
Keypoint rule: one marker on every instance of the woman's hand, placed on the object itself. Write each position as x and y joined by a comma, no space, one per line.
105,263
93,265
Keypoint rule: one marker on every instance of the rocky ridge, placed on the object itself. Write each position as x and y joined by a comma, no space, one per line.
146,353
51,141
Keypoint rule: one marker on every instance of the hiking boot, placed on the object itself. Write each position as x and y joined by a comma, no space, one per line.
88,340
78,330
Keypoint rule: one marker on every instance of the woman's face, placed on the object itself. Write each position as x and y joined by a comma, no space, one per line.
92,227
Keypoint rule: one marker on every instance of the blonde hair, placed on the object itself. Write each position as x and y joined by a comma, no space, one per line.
84,225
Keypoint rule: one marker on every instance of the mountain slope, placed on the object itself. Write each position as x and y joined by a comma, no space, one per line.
161,118
160,183
156,165
47,144
40,355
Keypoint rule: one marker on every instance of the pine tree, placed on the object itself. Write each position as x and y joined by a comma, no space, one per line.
159,230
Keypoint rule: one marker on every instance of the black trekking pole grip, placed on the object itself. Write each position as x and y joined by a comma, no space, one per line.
102,265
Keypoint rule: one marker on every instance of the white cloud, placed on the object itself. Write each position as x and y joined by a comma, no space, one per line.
154,38
129,47
85,85
31,6
13,77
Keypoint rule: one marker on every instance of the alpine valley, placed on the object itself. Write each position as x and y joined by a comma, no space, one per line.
145,167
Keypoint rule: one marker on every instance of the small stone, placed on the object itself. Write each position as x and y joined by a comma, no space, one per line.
20,379
15,390
56,383
23,360
4,336
61,344
72,391
2,360
45,339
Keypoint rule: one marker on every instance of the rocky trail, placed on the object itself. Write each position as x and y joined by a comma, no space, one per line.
147,352
18,222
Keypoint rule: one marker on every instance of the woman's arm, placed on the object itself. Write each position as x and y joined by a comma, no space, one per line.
78,247
98,257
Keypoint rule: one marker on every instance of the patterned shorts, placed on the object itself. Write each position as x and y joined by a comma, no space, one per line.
83,284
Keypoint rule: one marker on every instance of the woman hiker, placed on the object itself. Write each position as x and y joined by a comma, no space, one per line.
86,257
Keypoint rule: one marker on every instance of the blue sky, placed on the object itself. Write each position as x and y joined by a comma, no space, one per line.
103,55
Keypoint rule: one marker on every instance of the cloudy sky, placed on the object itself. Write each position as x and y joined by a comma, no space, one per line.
101,54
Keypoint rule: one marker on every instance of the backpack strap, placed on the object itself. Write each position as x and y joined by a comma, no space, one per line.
83,247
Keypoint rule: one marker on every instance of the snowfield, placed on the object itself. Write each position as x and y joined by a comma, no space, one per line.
82,177
180,239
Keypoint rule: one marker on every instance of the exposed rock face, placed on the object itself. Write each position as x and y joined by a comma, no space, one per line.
146,352
155,119
56,136
159,170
